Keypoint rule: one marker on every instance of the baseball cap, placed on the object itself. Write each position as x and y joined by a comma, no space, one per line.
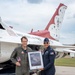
46,40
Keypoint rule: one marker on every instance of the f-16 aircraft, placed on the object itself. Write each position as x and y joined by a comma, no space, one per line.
10,38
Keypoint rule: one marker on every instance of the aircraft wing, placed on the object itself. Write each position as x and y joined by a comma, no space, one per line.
66,47
68,50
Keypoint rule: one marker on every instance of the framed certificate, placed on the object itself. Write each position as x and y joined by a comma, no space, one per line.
35,60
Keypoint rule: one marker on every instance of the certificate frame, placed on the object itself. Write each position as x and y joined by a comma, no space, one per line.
35,60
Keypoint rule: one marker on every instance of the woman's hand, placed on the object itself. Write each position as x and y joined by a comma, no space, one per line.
41,69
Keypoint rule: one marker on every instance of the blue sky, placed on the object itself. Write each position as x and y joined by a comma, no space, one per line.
24,15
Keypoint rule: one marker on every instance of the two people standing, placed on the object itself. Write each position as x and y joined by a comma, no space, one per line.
20,58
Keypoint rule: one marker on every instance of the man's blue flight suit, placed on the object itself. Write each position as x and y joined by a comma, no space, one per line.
48,60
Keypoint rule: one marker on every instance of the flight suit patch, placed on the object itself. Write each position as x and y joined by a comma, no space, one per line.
52,53
18,59
22,52
46,52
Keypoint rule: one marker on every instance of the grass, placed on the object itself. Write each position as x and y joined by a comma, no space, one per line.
65,62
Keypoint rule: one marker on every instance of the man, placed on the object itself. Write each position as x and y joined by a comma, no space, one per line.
20,57
48,59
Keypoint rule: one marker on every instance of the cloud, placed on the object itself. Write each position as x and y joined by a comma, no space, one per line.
27,14
73,15
34,1
60,1
68,38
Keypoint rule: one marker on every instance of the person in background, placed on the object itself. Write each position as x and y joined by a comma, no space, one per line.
20,57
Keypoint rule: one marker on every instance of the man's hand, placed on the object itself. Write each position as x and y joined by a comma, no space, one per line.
18,64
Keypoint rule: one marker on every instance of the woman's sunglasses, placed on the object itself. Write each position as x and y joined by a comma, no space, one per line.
45,42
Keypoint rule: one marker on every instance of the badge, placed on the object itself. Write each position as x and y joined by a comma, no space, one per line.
18,59
52,53
46,52
22,52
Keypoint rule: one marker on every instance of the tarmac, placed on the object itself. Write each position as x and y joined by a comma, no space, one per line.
62,70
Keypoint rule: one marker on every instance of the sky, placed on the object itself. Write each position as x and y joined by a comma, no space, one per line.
24,15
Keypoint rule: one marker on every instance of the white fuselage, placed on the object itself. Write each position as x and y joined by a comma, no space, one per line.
8,43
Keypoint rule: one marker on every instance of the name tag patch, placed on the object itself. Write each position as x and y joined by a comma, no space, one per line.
52,53
22,52
46,52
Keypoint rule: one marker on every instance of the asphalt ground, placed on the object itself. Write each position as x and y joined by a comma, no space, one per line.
60,70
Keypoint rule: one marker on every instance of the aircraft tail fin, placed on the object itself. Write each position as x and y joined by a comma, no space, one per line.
54,24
